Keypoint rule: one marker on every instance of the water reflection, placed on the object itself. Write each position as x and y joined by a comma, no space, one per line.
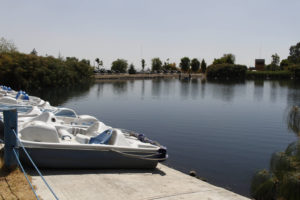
273,91
258,90
224,90
184,88
58,96
195,88
119,87
156,87
143,88
203,84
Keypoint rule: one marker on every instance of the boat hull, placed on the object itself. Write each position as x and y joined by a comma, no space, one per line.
84,159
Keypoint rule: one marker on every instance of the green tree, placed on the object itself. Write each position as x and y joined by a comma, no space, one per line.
195,65
143,64
131,69
156,64
203,66
34,52
294,56
25,71
99,63
275,59
225,59
284,64
119,65
7,46
185,64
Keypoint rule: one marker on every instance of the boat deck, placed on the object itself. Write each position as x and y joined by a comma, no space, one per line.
163,183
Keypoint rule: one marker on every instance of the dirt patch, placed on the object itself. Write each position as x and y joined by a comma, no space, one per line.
13,184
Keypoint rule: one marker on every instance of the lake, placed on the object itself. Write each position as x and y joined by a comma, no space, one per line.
223,131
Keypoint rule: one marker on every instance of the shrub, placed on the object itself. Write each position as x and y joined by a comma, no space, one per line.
25,71
119,65
268,74
156,64
131,69
226,72
295,71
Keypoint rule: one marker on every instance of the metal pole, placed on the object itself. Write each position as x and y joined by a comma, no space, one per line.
10,140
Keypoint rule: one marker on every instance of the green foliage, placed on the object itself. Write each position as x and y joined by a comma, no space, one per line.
7,46
268,75
195,65
284,64
119,65
156,64
283,180
293,120
263,186
275,59
203,66
99,63
226,72
281,164
25,71
272,67
34,52
185,64
295,70
289,188
225,59
294,56
131,69
143,64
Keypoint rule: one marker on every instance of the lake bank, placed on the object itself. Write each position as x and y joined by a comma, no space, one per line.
143,76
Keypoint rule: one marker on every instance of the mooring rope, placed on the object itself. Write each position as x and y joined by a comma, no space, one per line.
36,168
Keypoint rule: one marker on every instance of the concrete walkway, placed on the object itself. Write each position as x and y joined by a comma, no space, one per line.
163,183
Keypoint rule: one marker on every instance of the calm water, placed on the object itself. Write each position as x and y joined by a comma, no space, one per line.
225,132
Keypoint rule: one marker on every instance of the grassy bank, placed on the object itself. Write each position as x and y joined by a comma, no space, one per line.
268,75
13,185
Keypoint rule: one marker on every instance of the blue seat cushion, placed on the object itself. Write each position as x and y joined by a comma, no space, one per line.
102,138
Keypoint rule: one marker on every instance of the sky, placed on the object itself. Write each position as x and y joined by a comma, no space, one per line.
135,29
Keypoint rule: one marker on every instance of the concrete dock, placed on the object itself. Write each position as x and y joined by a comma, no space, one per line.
163,183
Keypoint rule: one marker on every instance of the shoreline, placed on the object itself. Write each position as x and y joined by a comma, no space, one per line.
143,76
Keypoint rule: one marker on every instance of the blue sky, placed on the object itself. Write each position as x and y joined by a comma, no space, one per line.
131,29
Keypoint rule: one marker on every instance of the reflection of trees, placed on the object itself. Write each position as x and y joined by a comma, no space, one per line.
273,92
156,87
282,181
224,89
293,92
143,88
57,96
184,87
293,120
119,87
195,88
167,86
203,82
258,89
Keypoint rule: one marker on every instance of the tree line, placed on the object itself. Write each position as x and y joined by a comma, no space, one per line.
186,65
25,71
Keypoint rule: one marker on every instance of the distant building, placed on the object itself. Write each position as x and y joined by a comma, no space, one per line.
259,64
